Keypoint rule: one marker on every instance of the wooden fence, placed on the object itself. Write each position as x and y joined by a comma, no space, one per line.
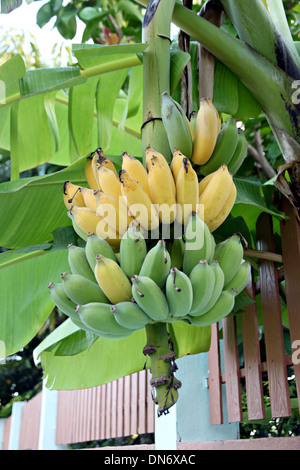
125,407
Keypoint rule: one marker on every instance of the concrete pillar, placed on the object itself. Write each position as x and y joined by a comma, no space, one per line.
2,427
15,425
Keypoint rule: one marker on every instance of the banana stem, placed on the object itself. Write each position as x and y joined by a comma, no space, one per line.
156,73
160,350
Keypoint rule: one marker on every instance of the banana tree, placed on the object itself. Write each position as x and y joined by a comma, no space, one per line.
35,227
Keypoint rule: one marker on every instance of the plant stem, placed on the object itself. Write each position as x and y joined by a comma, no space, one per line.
162,356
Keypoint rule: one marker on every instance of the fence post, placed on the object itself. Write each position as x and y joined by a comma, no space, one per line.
48,421
15,426
2,429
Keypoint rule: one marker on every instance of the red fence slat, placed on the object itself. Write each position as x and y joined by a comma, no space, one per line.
214,378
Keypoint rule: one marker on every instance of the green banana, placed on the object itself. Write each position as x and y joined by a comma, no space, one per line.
199,243
202,278
240,279
99,317
78,262
224,149
239,154
176,125
81,290
217,288
179,293
220,309
130,315
176,253
133,250
150,298
97,246
157,264
229,253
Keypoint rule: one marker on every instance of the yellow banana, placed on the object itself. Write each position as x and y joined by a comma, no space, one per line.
162,189
208,126
90,173
104,161
150,153
112,280
225,211
86,218
187,191
108,233
176,163
215,194
109,181
89,197
114,211
139,203
136,169
72,195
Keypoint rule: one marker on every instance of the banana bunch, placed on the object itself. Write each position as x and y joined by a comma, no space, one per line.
114,294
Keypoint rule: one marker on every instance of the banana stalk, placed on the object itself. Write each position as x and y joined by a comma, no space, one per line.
156,73
162,356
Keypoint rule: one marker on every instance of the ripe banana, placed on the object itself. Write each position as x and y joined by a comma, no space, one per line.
202,278
187,192
89,197
78,262
81,290
225,211
133,250
109,181
151,153
99,317
240,153
157,264
72,195
90,172
224,149
229,253
207,129
162,188
139,203
220,310
217,288
176,125
130,315
150,298
179,293
215,194
102,160
240,279
176,162
105,231
76,227
114,211
97,246
112,280
136,170
199,243
85,218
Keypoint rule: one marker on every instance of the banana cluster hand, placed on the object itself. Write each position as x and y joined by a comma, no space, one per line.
114,294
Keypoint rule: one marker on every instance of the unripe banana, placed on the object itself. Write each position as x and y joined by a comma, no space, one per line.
176,125
85,218
114,211
139,203
224,149
133,250
150,298
202,278
99,317
72,195
217,288
78,262
220,310
157,264
215,194
225,211
130,315
187,192
90,174
89,197
176,162
179,293
240,153
97,246
199,243
81,290
136,170
240,279
109,181
207,130
112,280
229,253
163,192
177,253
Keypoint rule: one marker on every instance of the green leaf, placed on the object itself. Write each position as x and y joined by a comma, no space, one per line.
226,96
10,73
135,95
25,299
178,61
6,6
